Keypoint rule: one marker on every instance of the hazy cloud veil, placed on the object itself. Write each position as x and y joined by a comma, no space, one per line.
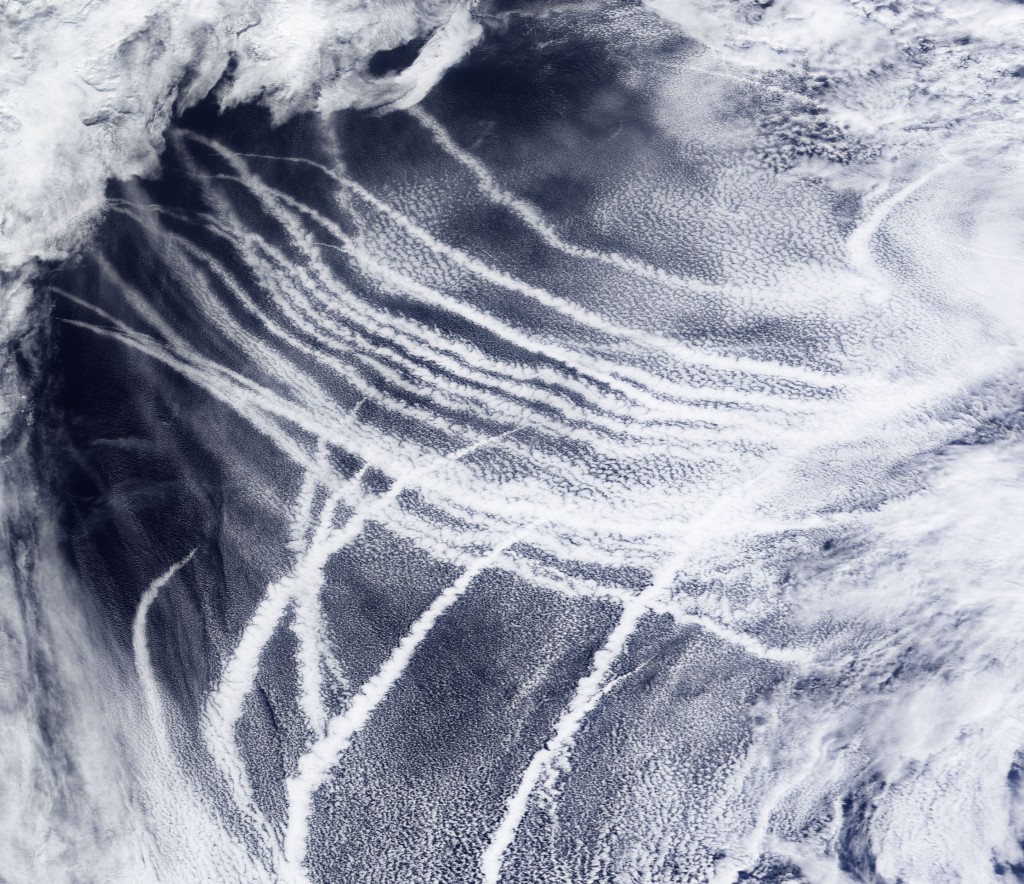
522,441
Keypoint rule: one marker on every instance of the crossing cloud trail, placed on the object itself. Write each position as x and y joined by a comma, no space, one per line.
519,442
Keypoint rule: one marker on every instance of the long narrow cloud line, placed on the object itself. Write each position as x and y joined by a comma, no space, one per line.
688,404
230,396
582,362
239,398
532,217
697,413
552,759
307,617
747,643
232,400
253,408
586,696
326,278
338,537
316,764
225,703
472,390
329,336
276,366
215,374
304,505
87,92
558,754
858,244
217,730
179,809
463,355
303,390
594,321
310,658
314,352
221,382
140,650
604,325
643,380
230,282
663,478
670,398
303,386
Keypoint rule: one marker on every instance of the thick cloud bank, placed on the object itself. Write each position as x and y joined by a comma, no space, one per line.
88,89
890,77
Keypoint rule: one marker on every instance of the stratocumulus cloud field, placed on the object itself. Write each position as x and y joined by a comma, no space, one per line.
508,442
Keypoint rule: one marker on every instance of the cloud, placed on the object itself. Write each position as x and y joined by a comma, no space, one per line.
901,76
86,91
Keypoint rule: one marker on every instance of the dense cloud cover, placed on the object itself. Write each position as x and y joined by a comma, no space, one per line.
87,90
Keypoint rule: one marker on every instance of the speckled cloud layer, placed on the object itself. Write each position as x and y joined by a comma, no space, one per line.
598,493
